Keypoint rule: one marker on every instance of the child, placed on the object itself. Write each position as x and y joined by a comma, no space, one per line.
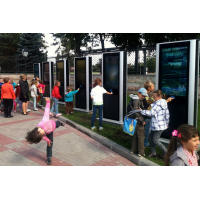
183,145
97,96
34,94
159,122
55,96
17,94
149,86
138,137
41,89
69,99
44,130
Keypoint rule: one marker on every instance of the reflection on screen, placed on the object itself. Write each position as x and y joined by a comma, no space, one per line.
46,79
174,70
80,78
111,72
60,77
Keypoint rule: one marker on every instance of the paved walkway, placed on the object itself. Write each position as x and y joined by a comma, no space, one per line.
71,147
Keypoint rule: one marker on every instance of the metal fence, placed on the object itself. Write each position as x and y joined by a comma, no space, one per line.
18,64
140,61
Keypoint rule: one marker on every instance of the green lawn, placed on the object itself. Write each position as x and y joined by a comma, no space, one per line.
111,132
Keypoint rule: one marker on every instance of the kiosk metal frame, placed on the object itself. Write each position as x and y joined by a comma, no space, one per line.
66,74
192,76
51,76
88,68
122,86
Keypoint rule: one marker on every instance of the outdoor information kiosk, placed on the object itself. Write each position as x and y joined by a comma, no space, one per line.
48,78
83,80
114,71
37,70
62,74
177,74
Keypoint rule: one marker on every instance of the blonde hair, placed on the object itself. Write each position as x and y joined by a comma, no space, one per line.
148,84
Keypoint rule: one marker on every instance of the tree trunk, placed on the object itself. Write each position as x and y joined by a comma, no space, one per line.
102,42
78,47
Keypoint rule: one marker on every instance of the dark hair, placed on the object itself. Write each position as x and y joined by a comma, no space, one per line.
33,136
41,82
6,80
187,133
97,81
159,93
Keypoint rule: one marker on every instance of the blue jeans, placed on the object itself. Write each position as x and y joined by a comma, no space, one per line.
34,103
55,106
95,107
50,136
147,131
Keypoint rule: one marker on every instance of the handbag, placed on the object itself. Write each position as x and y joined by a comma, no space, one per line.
130,123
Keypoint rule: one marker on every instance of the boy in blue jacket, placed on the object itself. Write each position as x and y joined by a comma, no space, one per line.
69,99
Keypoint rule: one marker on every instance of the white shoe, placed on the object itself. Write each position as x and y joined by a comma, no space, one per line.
28,110
100,128
93,127
59,114
36,109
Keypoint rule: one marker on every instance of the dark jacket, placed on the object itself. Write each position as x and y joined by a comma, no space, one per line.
24,88
179,158
137,103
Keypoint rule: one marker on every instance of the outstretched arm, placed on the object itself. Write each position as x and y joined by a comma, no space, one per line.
47,110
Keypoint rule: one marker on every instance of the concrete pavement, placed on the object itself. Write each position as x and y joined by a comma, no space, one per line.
71,147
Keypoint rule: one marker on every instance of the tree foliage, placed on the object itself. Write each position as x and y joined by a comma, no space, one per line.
34,42
9,43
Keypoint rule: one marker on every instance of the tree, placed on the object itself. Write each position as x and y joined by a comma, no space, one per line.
126,41
152,38
9,43
35,44
72,41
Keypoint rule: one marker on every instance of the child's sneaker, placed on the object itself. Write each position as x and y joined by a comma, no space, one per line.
71,112
28,110
62,124
59,114
51,114
67,114
36,109
14,111
93,127
49,161
100,128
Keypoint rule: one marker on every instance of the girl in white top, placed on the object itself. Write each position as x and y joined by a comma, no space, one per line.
97,96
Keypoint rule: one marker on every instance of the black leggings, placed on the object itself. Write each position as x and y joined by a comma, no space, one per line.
8,106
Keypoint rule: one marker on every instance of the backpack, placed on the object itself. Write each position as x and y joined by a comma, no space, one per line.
130,106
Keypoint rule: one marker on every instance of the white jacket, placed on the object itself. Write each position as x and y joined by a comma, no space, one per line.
33,91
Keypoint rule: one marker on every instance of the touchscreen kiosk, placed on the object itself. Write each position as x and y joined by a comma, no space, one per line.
114,72
37,70
62,74
177,69
48,78
83,80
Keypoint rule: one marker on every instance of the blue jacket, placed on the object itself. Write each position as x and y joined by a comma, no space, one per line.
69,96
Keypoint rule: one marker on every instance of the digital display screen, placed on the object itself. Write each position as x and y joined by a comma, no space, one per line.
46,79
60,77
111,82
36,70
80,79
173,81
174,70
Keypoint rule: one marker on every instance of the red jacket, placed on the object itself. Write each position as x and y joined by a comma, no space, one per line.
7,91
56,93
17,91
